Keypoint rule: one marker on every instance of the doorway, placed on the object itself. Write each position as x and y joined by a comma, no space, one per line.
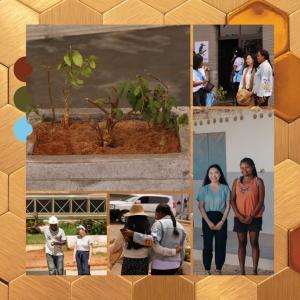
226,48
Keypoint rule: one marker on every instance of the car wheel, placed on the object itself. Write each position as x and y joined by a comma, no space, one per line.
122,218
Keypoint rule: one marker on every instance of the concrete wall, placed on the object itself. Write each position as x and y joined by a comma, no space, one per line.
209,33
122,54
244,138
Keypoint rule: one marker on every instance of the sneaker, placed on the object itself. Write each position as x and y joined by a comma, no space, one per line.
218,272
207,272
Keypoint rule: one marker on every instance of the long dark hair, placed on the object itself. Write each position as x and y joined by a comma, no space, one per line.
255,62
165,209
138,224
251,163
197,61
222,179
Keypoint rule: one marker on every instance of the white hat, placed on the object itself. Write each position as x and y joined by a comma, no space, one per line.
53,220
81,227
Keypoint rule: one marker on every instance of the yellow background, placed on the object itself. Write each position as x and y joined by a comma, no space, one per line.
284,14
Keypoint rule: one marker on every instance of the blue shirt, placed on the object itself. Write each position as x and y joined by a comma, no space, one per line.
214,201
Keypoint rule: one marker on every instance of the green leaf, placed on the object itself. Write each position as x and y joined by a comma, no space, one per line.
79,81
118,112
101,101
183,119
123,88
86,72
92,64
60,66
67,59
77,58
137,90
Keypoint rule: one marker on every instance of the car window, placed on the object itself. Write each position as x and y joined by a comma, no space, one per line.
144,199
131,199
155,199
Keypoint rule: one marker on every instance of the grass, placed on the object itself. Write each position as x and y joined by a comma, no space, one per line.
34,239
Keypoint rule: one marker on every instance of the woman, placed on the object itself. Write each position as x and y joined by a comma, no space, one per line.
199,81
247,200
263,79
247,82
136,256
83,251
237,70
167,232
214,206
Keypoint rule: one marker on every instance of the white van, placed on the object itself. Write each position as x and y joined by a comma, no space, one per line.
149,201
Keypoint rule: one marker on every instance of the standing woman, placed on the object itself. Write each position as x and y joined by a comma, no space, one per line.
247,200
199,81
263,80
247,82
136,256
83,250
237,70
214,206
168,234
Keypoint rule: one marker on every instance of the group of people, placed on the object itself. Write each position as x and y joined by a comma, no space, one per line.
161,246
215,199
55,240
251,78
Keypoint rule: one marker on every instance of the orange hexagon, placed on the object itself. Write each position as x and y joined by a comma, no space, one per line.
294,249
287,87
262,12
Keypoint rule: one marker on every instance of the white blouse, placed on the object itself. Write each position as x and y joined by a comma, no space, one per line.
263,80
248,78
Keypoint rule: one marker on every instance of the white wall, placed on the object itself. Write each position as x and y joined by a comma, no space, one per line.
249,137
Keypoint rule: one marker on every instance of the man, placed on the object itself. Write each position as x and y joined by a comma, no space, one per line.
55,239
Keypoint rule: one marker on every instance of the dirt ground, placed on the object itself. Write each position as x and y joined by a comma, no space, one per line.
129,137
37,260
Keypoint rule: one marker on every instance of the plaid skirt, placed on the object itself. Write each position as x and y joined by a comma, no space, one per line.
135,266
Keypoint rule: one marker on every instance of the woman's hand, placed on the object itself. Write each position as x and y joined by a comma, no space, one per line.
211,225
89,262
74,260
248,220
219,225
241,218
178,249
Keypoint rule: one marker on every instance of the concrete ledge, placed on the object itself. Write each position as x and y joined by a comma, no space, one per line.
139,172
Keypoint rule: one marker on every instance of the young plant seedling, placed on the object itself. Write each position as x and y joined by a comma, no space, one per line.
75,68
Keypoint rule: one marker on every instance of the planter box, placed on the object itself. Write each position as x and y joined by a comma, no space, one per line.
130,172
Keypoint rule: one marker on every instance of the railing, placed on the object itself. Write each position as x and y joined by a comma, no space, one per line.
64,205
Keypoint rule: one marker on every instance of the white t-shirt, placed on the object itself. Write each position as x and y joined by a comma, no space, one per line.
238,63
83,244
53,236
197,78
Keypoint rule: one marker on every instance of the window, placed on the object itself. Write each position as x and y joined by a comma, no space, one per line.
144,199
154,199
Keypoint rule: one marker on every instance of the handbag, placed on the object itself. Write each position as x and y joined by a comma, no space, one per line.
208,87
243,96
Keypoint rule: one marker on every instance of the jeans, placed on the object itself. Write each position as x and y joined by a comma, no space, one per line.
199,98
55,264
220,241
82,260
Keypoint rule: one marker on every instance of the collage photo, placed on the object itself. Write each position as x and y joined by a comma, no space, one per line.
151,151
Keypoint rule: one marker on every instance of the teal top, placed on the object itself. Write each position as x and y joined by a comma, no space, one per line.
214,201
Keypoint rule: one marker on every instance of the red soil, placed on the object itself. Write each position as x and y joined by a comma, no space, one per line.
129,137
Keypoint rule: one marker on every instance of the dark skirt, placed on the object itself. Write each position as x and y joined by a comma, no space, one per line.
135,266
